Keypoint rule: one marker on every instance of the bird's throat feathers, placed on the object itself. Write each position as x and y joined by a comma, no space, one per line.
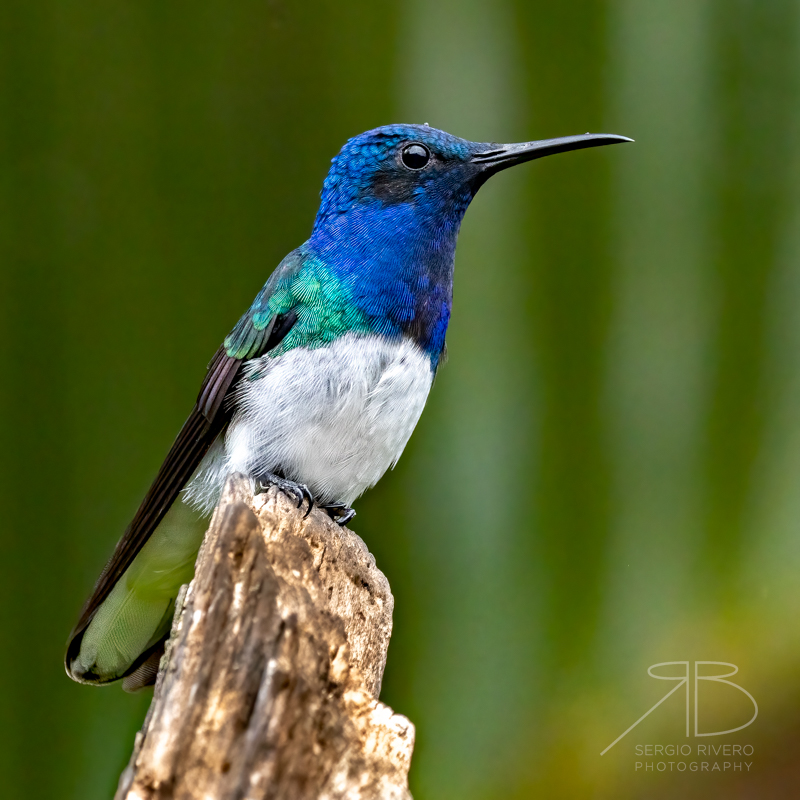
393,277
395,262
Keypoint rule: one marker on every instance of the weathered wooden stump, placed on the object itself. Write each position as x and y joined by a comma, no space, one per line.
269,685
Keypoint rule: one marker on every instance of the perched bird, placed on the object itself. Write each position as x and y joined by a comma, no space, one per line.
319,385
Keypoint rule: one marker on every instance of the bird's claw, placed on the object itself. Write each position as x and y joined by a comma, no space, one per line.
339,513
297,491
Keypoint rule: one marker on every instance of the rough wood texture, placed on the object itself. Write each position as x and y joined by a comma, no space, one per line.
269,685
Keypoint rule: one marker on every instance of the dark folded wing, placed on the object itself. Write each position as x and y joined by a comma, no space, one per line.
258,332
204,424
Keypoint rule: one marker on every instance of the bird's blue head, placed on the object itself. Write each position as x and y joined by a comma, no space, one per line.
416,166
391,208
399,165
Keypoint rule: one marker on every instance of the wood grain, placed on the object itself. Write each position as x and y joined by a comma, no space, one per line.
269,685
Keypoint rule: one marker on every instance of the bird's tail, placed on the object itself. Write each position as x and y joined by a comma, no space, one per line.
134,619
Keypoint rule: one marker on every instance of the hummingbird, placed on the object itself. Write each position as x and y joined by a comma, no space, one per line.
320,384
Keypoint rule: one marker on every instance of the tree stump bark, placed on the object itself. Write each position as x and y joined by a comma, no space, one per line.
270,681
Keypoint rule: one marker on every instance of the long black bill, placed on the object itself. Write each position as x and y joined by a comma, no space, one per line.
500,156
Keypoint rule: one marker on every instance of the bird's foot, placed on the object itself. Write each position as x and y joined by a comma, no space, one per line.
339,513
297,491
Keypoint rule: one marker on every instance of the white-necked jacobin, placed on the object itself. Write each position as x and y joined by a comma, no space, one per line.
319,385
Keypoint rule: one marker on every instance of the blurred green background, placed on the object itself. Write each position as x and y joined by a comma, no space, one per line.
607,472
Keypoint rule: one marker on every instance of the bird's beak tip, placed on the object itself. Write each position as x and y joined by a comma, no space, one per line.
498,157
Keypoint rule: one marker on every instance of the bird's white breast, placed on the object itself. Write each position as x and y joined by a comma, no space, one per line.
335,417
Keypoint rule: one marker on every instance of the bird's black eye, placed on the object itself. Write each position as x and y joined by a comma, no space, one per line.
416,156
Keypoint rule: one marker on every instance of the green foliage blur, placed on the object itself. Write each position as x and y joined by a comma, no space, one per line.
607,474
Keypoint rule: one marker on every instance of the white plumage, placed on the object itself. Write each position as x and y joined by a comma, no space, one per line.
335,418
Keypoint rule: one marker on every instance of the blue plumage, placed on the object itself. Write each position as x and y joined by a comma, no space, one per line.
389,233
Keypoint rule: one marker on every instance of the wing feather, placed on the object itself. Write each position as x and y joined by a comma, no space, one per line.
204,424
257,332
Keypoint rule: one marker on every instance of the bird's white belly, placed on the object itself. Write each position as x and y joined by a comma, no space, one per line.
335,418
